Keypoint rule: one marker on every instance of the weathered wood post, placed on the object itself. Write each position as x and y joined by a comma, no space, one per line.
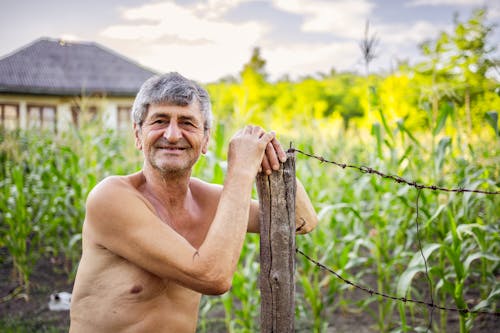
277,248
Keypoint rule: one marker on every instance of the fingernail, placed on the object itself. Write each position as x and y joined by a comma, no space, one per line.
276,167
268,172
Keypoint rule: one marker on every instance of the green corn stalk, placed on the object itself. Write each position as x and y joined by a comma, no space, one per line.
20,239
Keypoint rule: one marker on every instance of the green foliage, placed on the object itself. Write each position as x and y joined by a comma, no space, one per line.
45,181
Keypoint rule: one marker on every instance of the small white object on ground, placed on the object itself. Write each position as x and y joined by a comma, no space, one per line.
60,301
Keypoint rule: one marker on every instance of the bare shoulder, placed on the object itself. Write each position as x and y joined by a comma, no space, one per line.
114,188
113,184
112,198
201,188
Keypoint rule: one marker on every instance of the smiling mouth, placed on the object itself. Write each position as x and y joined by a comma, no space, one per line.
171,148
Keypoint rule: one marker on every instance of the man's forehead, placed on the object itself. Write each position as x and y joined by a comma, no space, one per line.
163,109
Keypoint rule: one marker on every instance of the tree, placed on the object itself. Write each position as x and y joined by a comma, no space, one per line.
456,67
434,77
256,65
254,95
471,57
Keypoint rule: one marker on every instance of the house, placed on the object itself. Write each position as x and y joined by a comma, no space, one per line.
50,84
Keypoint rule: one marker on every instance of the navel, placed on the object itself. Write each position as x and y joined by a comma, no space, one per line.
136,289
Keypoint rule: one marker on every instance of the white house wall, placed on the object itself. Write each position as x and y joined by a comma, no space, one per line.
109,106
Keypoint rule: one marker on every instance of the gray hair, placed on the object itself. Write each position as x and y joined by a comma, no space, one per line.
171,88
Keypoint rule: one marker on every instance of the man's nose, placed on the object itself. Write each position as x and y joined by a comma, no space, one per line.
172,132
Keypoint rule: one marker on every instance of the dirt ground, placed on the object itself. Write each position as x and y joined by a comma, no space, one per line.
20,315
33,315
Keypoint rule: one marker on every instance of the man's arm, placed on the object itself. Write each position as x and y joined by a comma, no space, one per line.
305,215
119,220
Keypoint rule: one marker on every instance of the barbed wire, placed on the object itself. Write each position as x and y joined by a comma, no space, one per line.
419,187
392,297
397,179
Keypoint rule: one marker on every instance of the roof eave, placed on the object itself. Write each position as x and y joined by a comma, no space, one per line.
65,92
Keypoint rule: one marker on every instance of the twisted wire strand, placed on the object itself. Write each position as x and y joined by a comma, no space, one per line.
384,295
397,179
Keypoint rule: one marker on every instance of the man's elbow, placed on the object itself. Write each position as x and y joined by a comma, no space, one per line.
306,225
218,285
219,288
215,280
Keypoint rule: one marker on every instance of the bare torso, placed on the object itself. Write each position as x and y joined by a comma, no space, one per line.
113,295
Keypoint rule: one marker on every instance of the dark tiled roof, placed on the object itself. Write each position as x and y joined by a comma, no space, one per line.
53,67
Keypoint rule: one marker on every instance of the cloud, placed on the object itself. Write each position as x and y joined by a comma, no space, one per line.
195,40
201,62
447,3
199,41
494,13
69,37
336,17
300,59
169,19
412,34
400,41
216,8
192,39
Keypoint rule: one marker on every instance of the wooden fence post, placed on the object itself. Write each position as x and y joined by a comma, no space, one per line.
277,248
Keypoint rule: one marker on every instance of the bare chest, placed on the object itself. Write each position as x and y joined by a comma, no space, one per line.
192,224
112,292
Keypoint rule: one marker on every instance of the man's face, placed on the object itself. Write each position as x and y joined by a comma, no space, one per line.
172,137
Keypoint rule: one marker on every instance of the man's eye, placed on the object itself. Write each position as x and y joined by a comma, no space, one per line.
188,123
159,121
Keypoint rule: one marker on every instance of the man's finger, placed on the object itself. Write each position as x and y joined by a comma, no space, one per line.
272,156
279,150
267,137
266,167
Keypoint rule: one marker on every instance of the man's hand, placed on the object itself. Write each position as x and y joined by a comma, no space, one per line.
252,149
273,156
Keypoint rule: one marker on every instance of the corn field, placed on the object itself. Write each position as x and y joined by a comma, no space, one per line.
367,228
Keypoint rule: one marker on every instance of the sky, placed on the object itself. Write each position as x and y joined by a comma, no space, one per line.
210,39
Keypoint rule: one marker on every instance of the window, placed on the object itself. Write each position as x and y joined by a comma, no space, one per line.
43,117
9,116
123,118
89,114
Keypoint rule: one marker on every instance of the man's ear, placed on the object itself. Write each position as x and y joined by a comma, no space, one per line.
206,140
138,138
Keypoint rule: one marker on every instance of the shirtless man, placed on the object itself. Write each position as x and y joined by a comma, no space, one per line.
154,241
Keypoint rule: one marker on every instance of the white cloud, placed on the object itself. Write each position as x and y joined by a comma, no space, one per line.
201,62
169,19
216,8
69,37
493,10
343,18
305,58
411,34
186,38
400,41
447,2
197,41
